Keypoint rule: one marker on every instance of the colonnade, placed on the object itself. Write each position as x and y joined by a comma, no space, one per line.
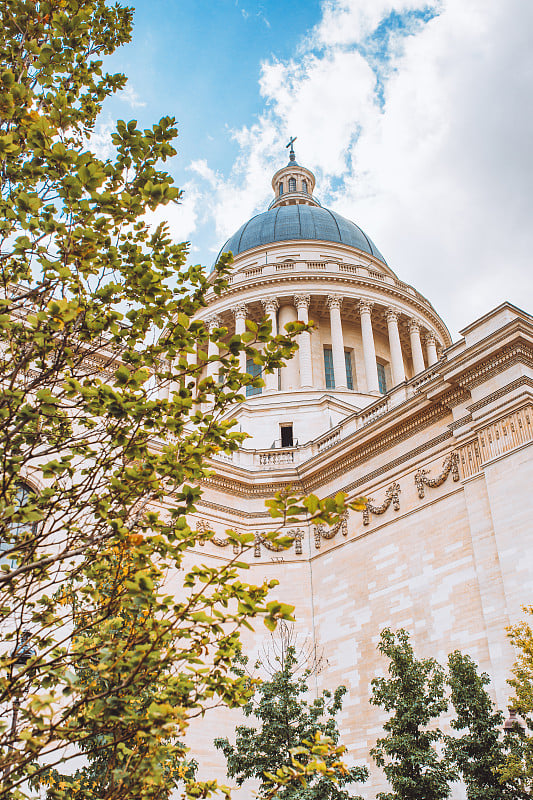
298,374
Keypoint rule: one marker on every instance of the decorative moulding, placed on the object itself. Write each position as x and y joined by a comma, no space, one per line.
450,466
322,532
392,497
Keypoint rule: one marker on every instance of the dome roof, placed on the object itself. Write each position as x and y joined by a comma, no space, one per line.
299,222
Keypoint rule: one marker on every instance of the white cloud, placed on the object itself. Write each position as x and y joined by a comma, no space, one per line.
130,96
181,218
437,170
100,142
347,22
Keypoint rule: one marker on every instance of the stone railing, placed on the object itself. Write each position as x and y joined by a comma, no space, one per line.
363,271
278,458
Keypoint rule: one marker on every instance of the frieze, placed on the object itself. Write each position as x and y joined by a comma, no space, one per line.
450,466
470,459
506,434
323,532
392,497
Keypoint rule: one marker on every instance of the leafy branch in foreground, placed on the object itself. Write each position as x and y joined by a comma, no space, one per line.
107,416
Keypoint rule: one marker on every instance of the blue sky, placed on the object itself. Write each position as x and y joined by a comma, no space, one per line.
415,117
201,62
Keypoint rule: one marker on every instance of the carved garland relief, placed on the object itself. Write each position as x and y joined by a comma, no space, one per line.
450,465
392,497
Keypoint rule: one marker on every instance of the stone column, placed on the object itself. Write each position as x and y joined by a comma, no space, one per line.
239,313
212,348
290,374
369,350
301,301
431,348
270,306
398,370
416,346
337,341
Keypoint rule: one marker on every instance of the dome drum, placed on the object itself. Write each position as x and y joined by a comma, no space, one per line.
372,332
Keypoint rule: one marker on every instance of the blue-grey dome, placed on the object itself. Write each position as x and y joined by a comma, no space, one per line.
299,222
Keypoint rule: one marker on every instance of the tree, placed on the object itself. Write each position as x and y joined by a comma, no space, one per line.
96,778
287,722
479,752
518,766
414,696
106,414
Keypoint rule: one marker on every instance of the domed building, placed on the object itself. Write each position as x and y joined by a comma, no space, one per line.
377,402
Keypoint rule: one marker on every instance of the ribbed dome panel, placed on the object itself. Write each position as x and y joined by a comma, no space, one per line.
299,222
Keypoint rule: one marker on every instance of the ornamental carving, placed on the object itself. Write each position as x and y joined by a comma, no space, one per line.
392,315
270,304
414,326
335,301
296,535
203,527
365,306
323,532
302,300
450,465
392,497
212,323
240,311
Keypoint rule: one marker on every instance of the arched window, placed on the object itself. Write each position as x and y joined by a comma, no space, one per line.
292,184
349,371
281,188
382,380
304,186
255,371
22,496
328,368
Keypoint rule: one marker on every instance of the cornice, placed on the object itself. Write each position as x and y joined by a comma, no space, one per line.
386,290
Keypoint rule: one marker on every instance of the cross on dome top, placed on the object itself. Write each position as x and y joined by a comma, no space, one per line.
292,155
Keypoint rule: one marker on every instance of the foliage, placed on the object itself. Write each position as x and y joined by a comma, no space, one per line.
479,752
111,423
413,694
96,778
287,724
518,765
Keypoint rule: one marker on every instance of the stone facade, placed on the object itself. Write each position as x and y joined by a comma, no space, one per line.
436,434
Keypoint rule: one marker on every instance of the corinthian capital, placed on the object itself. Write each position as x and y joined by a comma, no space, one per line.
270,304
335,301
392,314
302,300
213,322
365,306
414,326
240,310
429,338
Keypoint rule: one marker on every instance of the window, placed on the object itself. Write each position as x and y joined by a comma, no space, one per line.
286,435
304,186
328,368
292,184
349,373
255,371
22,497
281,188
382,381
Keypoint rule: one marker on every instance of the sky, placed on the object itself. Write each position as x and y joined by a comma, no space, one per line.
416,118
